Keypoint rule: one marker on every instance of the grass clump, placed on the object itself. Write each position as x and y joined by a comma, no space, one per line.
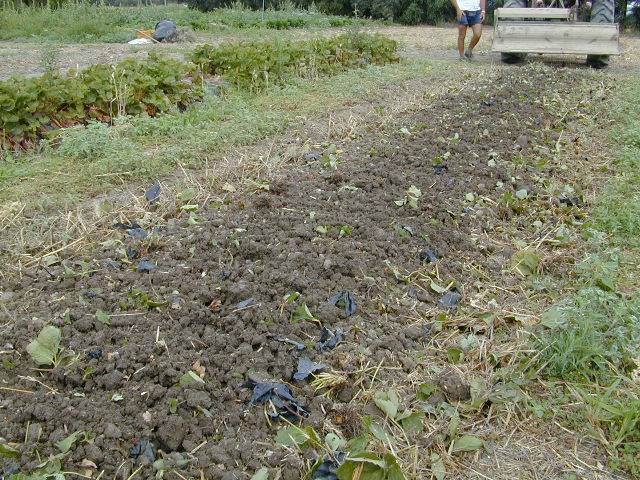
592,351
82,22
257,65
277,19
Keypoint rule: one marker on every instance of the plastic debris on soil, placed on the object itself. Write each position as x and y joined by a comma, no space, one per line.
280,396
91,294
312,156
112,264
145,266
153,193
132,253
306,367
133,229
409,229
125,226
428,256
244,304
328,469
329,340
143,451
165,31
216,86
450,300
140,41
9,469
138,233
571,201
299,345
95,354
175,301
346,300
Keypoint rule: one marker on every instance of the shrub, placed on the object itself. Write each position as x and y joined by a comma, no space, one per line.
412,15
207,5
256,65
33,106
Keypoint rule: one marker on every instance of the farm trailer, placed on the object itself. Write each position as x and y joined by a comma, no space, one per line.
521,29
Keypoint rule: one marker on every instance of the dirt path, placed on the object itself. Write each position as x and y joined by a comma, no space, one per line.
204,294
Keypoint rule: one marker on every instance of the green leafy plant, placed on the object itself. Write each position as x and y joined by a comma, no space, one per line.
45,349
389,402
142,299
345,231
33,106
302,313
257,65
67,443
370,465
411,198
103,317
289,298
526,262
189,378
330,160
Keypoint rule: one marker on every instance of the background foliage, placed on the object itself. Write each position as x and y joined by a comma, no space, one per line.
409,12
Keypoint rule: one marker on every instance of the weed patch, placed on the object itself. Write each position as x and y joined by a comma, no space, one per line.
80,22
592,350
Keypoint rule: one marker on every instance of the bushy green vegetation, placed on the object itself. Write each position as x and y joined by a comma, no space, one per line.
86,23
30,107
92,155
404,11
257,65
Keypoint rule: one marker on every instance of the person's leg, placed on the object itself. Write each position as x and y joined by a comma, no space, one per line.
477,34
462,34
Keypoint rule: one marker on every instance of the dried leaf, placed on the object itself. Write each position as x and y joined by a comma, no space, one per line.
189,378
44,348
467,443
437,467
262,474
388,402
65,444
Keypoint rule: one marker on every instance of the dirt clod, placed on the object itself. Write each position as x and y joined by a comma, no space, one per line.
454,387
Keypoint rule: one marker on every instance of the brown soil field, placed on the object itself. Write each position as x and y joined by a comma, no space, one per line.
204,293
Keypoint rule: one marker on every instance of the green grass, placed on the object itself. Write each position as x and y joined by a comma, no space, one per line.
84,23
97,158
593,355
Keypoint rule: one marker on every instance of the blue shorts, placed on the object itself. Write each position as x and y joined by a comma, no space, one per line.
470,18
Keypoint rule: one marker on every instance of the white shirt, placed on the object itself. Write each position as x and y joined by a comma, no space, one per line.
469,5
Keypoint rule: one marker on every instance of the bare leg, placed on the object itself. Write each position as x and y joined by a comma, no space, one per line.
477,33
462,34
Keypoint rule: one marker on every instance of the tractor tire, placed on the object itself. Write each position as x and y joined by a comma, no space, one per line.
510,57
603,11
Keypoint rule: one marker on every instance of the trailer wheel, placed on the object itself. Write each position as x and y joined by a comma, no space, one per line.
603,11
510,57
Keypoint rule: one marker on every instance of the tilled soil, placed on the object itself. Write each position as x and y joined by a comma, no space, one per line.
214,304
